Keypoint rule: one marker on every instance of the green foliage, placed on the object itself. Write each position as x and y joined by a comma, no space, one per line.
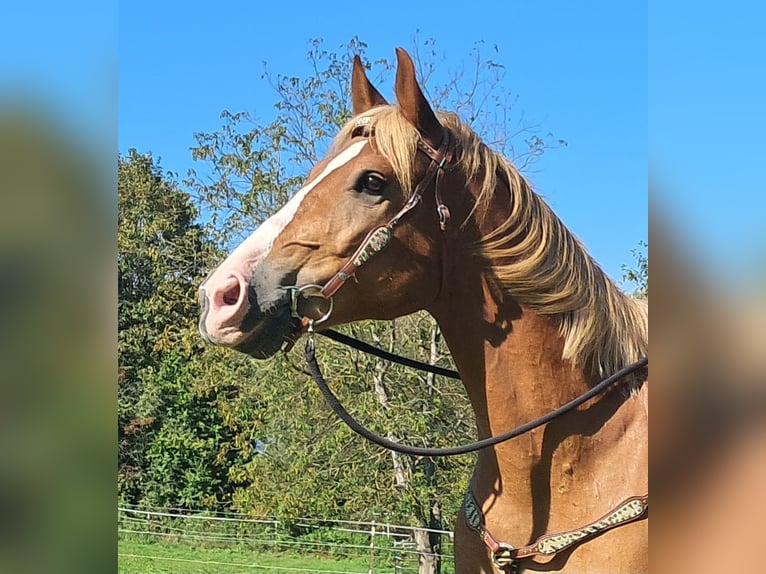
638,274
183,469
315,466
168,433
162,254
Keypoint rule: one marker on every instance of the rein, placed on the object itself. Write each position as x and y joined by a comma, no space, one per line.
336,406
504,556
380,353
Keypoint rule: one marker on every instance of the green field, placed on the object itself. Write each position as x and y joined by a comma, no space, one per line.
138,557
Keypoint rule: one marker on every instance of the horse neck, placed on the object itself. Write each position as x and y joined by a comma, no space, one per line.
566,473
508,355
510,360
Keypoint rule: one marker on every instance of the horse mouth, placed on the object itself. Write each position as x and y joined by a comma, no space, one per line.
272,333
259,334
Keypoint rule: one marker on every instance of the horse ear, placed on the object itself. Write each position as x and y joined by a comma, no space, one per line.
363,94
412,102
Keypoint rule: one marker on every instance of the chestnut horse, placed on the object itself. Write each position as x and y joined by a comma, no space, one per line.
420,214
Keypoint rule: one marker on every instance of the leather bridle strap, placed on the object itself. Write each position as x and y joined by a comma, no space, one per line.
440,157
379,237
505,557
383,354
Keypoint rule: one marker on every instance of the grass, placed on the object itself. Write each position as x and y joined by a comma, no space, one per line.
166,557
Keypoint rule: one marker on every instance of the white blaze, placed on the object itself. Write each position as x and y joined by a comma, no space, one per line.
260,242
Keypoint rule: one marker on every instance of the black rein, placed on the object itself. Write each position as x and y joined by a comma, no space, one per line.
375,351
343,414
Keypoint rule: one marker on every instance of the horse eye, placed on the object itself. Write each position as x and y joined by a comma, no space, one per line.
371,183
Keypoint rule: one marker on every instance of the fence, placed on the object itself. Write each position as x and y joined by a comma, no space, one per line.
380,547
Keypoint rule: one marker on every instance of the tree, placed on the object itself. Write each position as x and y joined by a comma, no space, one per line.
639,273
162,253
168,433
253,167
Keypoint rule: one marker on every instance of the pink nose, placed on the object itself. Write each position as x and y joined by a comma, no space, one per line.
227,304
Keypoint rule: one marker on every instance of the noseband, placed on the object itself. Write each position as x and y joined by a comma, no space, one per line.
380,236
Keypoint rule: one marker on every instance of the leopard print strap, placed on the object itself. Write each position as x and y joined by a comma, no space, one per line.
627,511
505,557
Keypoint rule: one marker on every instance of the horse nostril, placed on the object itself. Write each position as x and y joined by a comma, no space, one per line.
231,295
228,293
223,308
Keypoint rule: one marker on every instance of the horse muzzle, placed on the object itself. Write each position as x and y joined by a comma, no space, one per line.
252,317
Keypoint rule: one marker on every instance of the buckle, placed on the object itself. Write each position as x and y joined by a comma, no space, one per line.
444,216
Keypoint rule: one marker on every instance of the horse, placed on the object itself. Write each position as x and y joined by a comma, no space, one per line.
411,211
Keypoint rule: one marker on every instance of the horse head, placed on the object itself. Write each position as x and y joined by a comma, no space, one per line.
317,250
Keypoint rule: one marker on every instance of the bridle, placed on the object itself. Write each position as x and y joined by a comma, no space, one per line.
504,556
380,236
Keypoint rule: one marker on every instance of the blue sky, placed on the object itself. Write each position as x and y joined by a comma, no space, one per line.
579,72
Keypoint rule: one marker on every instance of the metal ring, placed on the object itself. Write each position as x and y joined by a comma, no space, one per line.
502,556
313,291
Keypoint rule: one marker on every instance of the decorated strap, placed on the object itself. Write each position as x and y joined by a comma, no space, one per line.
627,511
505,556
375,241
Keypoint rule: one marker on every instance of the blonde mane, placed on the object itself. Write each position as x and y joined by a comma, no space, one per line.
537,261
